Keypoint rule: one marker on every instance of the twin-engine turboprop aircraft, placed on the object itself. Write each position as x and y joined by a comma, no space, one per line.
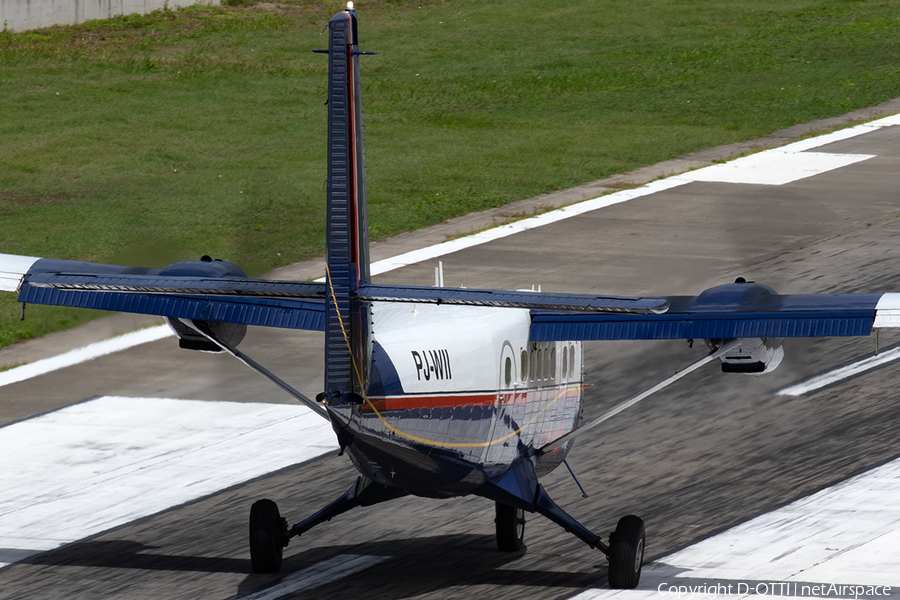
432,391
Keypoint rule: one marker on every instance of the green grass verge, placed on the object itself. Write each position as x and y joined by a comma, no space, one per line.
149,139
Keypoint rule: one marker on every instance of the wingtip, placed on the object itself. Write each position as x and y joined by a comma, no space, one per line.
12,269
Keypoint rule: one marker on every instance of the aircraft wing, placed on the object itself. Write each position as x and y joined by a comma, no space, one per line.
218,291
196,290
730,315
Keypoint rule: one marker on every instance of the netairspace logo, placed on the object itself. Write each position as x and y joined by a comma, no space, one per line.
797,590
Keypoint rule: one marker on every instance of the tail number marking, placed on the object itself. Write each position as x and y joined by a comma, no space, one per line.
432,363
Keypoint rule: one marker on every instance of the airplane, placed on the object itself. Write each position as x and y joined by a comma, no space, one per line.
432,391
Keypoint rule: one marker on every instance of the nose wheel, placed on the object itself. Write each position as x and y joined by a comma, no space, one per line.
626,553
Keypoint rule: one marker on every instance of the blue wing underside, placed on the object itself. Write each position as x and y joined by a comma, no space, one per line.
788,316
728,311
267,312
227,299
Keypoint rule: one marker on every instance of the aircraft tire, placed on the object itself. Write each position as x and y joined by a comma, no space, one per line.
626,553
267,529
510,525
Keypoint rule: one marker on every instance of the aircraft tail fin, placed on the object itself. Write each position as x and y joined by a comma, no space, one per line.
347,238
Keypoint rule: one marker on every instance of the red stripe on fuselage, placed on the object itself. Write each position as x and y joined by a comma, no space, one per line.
458,400
406,402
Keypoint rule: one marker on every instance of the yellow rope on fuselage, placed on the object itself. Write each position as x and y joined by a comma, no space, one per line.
410,436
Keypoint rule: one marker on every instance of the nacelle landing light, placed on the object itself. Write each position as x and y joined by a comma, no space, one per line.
752,356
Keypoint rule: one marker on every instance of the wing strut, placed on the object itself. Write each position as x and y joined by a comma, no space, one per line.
309,402
724,348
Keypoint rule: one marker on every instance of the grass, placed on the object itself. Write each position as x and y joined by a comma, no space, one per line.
149,139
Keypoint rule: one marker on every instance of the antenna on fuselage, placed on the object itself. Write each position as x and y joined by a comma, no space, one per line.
584,494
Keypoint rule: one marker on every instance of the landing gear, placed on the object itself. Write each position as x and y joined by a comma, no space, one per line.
519,487
269,532
510,525
626,553
268,537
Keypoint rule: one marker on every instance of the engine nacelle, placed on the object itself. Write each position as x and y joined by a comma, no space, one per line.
232,333
205,267
753,356
189,339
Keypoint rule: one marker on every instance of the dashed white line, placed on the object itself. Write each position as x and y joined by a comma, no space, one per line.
840,374
318,575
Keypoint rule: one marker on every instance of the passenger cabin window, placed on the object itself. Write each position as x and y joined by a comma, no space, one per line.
553,363
546,363
571,362
565,369
524,375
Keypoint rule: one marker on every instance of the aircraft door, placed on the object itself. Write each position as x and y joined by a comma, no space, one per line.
508,379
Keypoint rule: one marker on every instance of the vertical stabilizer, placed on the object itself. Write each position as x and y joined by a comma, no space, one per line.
347,245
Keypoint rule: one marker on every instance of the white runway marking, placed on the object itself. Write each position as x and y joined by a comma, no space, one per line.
785,164
838,136
80,355
99,464
846,535
319,574
840,374
774,167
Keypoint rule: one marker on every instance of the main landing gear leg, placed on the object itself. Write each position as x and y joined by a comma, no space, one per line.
626,544
518,490
269,533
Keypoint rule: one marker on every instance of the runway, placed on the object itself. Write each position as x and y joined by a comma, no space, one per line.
712,452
